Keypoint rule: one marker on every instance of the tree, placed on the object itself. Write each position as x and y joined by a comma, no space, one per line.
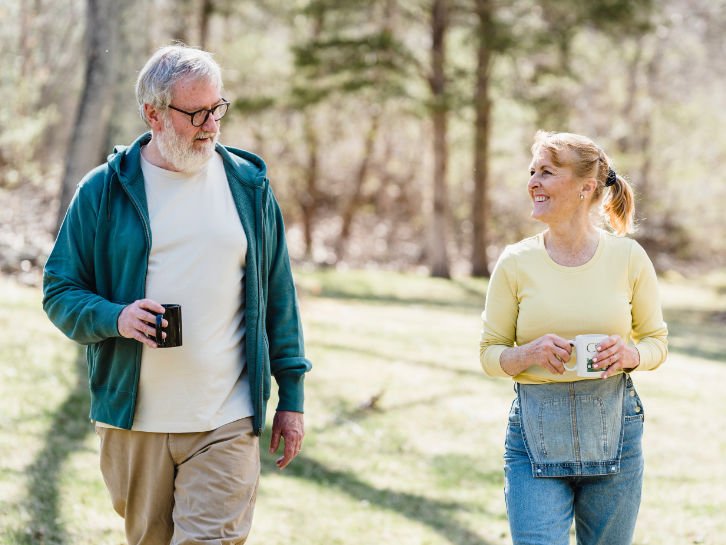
545,46
351,53
482,123
304,100
309,195
356,198
93,114
437,254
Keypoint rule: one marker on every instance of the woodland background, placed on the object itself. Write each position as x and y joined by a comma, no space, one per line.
397,132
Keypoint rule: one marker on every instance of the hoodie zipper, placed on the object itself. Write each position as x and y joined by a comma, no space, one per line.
147,233
147,228
261,321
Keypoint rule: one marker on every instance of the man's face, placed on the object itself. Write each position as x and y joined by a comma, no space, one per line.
185,147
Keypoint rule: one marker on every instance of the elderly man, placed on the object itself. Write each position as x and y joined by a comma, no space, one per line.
178,218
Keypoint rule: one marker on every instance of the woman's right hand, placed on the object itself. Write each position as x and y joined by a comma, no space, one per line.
550,352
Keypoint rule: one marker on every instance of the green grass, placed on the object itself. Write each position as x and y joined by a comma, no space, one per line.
404,432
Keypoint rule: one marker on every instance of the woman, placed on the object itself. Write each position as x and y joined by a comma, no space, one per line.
573,445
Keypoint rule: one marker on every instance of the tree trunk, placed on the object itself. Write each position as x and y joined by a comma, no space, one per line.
181,20
308,199
437,254
28,12
93,113
207,9
356,198
639,111
645,144
482,106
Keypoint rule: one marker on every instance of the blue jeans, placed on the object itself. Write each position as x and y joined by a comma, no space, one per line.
605,508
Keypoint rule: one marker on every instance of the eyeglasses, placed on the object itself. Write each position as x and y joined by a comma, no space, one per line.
200,117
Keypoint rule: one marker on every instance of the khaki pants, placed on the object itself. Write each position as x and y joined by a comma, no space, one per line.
183,488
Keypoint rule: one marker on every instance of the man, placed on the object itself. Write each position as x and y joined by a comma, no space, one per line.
177,218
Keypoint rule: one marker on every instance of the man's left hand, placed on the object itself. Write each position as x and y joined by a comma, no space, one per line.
290,426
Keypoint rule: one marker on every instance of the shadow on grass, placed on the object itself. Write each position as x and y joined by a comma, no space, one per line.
469,298
474,372
397,301
345,415
66,434
698,333
438,515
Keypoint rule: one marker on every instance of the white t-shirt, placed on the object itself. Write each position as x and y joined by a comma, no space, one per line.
197,260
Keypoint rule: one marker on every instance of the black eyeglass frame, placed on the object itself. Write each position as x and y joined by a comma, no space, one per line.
208,111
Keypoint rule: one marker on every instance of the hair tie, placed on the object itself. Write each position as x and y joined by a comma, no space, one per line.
612,178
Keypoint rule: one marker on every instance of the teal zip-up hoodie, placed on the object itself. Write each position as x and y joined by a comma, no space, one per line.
98,266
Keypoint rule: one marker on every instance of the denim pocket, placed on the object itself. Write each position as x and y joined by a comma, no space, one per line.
554,430
514,417
599,437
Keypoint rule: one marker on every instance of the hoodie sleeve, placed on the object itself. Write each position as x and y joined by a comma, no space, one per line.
69,297
284,328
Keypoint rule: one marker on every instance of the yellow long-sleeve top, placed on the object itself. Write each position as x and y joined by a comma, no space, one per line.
530,295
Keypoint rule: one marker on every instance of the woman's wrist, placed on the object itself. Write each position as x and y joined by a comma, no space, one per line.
634,358
510,360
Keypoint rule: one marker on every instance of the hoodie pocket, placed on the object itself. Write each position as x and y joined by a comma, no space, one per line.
93,355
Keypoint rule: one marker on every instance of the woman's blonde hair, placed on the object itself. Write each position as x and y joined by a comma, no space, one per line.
588,160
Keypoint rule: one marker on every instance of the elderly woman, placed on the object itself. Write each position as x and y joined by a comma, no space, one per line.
573,445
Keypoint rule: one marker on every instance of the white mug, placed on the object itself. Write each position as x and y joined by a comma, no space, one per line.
585,350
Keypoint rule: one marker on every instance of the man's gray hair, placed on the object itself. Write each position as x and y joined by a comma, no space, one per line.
166,67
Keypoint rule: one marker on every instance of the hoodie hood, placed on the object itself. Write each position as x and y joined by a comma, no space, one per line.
242,165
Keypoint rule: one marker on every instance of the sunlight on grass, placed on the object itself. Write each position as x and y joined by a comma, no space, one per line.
404,432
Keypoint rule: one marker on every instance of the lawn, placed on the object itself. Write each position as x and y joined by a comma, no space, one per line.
404,432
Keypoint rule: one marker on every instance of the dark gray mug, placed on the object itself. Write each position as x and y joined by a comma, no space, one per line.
173,315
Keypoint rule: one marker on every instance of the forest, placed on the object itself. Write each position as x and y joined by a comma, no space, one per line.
397,135
396,132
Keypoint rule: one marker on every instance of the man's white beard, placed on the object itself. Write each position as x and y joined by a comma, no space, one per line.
182,154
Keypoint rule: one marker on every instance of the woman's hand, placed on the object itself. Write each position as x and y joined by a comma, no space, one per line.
549,351
613,355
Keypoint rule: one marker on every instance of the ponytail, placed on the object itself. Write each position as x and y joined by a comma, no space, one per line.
618,207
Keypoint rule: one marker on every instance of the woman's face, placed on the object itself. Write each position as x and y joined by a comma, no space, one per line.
553,190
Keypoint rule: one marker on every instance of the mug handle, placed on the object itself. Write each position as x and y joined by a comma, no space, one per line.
572,343
159,336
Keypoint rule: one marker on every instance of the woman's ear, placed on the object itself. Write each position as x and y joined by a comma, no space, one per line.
588,186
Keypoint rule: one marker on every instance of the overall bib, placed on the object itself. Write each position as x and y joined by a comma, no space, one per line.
573,428
573,451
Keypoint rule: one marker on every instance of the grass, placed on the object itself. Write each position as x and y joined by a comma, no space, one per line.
404,432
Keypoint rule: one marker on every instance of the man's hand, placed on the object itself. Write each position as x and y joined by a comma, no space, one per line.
290,426
134,320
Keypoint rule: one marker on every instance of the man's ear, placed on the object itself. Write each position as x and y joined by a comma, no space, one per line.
153,117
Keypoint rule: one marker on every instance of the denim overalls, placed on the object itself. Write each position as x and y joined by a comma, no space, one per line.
573,449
